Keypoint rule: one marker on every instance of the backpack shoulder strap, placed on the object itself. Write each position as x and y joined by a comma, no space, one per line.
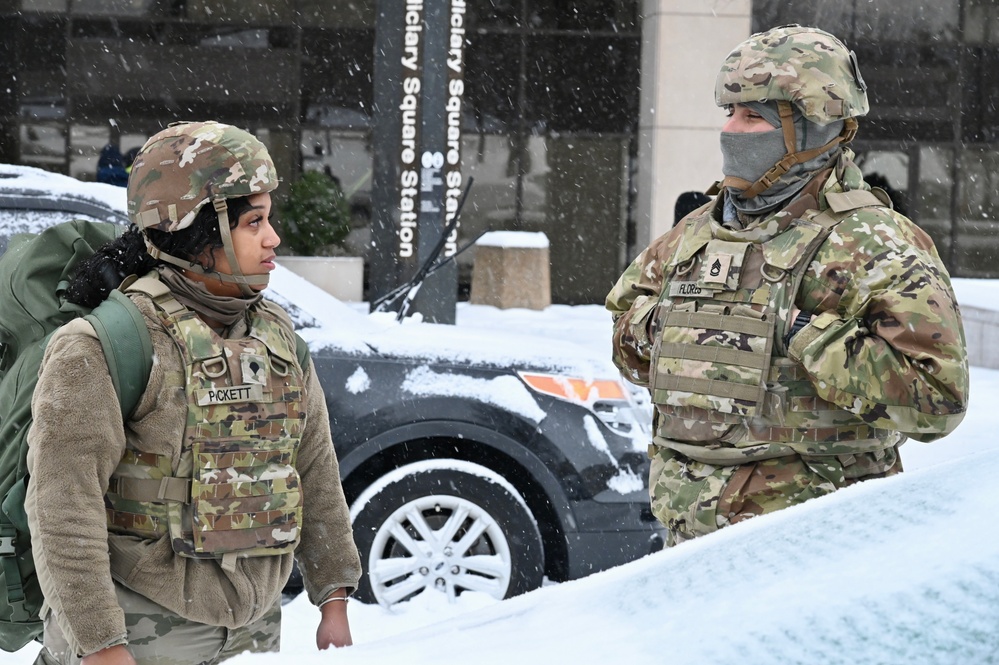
127,346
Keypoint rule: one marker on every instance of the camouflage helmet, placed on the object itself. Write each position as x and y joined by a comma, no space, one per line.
189,164
807,67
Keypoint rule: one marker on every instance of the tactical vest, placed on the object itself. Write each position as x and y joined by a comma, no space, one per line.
724,389
235,491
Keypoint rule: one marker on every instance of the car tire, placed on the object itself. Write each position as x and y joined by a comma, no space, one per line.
445,524
293,587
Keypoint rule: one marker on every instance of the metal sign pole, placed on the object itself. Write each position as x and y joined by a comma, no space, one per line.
419,72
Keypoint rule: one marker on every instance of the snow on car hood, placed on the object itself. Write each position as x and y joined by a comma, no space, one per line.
30,181
329,323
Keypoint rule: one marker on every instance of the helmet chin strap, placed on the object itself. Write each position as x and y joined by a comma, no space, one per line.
768,179
237,277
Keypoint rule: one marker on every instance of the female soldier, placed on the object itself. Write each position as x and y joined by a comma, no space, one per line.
168,538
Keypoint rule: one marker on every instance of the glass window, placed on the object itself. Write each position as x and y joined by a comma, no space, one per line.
495,13
583,188
336,108
337,75
536,213
588,15
835,17
492,201
40,46
85,144
977,213
346,157
267,12
43,144
889,170
582,84
981,22
122,8
896,20
980,96
338,14
913,90
573,190
978,184
343,155
492,81
934,195
244,76
890,20
43,5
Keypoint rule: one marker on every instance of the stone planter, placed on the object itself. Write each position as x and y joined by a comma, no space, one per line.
512,269
340,276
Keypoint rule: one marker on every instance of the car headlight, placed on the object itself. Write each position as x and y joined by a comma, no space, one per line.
617,405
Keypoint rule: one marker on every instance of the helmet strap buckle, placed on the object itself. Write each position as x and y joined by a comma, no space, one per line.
850,126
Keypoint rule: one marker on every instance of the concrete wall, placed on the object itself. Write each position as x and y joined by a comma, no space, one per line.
683,45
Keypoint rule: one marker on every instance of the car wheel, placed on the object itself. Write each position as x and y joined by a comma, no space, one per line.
449,525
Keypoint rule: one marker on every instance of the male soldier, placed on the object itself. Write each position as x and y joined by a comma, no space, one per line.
795,330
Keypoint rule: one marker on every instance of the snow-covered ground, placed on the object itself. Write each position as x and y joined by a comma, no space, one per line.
901,570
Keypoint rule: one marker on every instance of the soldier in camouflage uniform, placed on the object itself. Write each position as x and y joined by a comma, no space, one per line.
794,331
169,540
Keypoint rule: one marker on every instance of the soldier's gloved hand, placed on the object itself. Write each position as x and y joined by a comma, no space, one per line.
799,319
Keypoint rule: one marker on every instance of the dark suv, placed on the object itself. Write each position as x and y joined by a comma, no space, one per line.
469,461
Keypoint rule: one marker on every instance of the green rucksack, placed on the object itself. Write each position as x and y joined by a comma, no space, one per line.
34,273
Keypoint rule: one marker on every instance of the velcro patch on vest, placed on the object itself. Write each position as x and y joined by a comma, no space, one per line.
721,266
717,268
254,367
230,395
688,290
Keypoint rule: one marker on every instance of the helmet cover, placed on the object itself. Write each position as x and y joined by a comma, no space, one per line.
186,165
807,67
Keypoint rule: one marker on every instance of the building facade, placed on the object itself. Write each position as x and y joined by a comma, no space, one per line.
549,121
933,132
582,119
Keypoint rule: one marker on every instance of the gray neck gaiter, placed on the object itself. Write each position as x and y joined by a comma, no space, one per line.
750,155
224,309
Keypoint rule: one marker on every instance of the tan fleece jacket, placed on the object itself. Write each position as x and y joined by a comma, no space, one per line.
77,440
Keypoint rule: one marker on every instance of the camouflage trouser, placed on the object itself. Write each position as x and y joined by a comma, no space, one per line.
691,498
157,636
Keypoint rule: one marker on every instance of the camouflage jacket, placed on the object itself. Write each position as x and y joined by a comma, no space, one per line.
66,505
886,342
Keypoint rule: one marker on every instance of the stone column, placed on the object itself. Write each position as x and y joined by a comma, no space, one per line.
683,45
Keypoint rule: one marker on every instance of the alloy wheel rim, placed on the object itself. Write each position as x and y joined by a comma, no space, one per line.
440,542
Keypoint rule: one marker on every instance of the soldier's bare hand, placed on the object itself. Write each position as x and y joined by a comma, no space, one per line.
334,629
116,655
